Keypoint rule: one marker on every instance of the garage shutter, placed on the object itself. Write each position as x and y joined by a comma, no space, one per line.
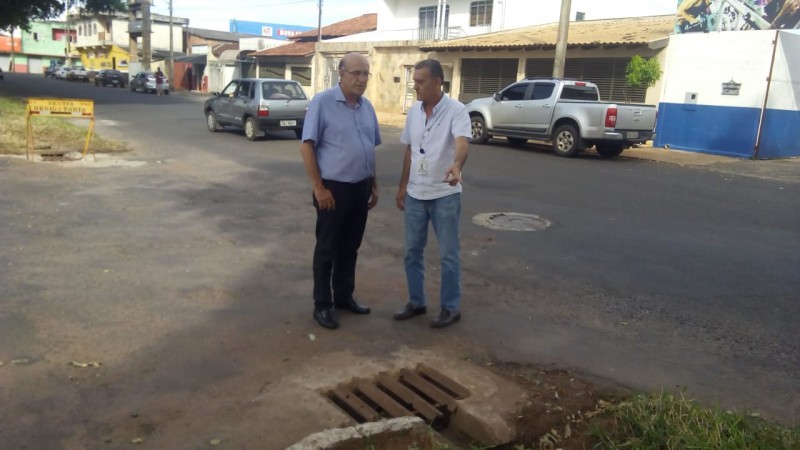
607,73
484,77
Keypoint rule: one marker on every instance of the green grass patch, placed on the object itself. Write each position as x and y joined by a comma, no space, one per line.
51,134
668,422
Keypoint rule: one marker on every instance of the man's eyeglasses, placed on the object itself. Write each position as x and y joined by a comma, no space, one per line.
358,74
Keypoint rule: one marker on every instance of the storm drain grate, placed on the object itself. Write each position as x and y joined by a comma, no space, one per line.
423,392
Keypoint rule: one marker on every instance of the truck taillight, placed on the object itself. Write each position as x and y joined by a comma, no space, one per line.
263,110
611,117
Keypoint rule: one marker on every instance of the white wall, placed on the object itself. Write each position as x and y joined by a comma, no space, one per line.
701,62
506,14
784,92
160,37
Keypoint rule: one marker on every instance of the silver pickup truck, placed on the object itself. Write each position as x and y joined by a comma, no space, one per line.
567,113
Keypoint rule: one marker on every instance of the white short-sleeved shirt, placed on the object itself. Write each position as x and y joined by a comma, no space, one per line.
433,146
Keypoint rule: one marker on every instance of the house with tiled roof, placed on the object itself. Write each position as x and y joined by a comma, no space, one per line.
485,45
294,60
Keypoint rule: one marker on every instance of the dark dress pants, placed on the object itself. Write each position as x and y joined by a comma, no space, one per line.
339,233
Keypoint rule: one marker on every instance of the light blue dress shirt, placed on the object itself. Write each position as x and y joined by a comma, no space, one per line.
344,137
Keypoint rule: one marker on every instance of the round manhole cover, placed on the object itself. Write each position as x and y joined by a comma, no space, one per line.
510,221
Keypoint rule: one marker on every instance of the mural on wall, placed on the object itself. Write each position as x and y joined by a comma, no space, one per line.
736,15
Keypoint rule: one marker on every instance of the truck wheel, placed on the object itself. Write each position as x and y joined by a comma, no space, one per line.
567,141
479,134
609,150
517,142
251,131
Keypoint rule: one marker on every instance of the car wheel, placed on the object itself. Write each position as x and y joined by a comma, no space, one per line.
251,131
211,122
479,134
566,141
517,142
609,150
299,133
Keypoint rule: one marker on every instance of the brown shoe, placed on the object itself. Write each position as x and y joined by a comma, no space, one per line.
410,311
446,318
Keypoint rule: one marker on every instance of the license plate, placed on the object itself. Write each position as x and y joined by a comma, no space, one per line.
632,135
288,123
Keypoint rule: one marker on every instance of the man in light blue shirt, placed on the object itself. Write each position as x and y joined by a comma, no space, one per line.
436,133
340,134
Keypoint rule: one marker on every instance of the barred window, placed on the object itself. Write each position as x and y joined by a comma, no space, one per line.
480,13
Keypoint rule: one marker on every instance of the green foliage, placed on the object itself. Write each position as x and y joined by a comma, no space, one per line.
643,72
20,13
666,422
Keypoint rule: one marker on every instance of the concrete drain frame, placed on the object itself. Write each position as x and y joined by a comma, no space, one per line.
423,392
511,221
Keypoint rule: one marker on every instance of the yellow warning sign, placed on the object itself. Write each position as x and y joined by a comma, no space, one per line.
60,107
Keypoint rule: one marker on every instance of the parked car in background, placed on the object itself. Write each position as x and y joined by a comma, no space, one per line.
109,77
50,71
61,73
1,75
146,82
78,74
258,105
567,113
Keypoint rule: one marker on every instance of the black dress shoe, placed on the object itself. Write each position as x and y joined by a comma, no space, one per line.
409,311
446,318
352,306
325,318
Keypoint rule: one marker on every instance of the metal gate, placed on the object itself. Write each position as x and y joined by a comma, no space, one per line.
484,77
331,75
607,73
35,65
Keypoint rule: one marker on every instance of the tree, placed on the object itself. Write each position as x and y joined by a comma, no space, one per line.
643,72
20,13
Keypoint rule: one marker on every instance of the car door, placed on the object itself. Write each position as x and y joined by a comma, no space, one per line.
506,111
222,104
240,101
538,110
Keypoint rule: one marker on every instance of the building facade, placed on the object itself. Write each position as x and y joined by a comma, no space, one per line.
46,43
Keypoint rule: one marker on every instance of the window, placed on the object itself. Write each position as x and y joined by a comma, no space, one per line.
266,70
80,30
515,92
230,88
428,22
94,28
543,91
35,36
480,13
282,90
302,75
579,93
244,89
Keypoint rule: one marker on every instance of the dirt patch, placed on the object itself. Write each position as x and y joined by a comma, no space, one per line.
563,405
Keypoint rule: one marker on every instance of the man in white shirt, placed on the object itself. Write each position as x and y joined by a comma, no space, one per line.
436,133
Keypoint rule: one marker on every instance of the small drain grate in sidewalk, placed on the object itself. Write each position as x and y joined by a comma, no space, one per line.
424,392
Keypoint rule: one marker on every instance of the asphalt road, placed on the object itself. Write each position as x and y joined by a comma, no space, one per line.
189,278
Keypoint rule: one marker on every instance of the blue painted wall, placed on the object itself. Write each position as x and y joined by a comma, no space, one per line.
720,130
780,135
728,131
279,31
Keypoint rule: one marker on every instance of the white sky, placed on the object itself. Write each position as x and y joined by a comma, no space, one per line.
215,14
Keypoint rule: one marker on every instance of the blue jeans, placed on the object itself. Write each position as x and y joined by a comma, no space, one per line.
444,214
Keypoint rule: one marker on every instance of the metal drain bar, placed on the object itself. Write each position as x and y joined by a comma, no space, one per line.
424,392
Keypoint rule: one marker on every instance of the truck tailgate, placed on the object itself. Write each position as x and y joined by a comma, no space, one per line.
636,117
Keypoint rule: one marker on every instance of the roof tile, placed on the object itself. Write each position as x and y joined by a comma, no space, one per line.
634,30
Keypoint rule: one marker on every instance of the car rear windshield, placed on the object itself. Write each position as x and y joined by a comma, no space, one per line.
572,92
282,90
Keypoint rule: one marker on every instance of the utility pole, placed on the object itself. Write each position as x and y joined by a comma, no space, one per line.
11,66
561,45
171,52
147,53
319,23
